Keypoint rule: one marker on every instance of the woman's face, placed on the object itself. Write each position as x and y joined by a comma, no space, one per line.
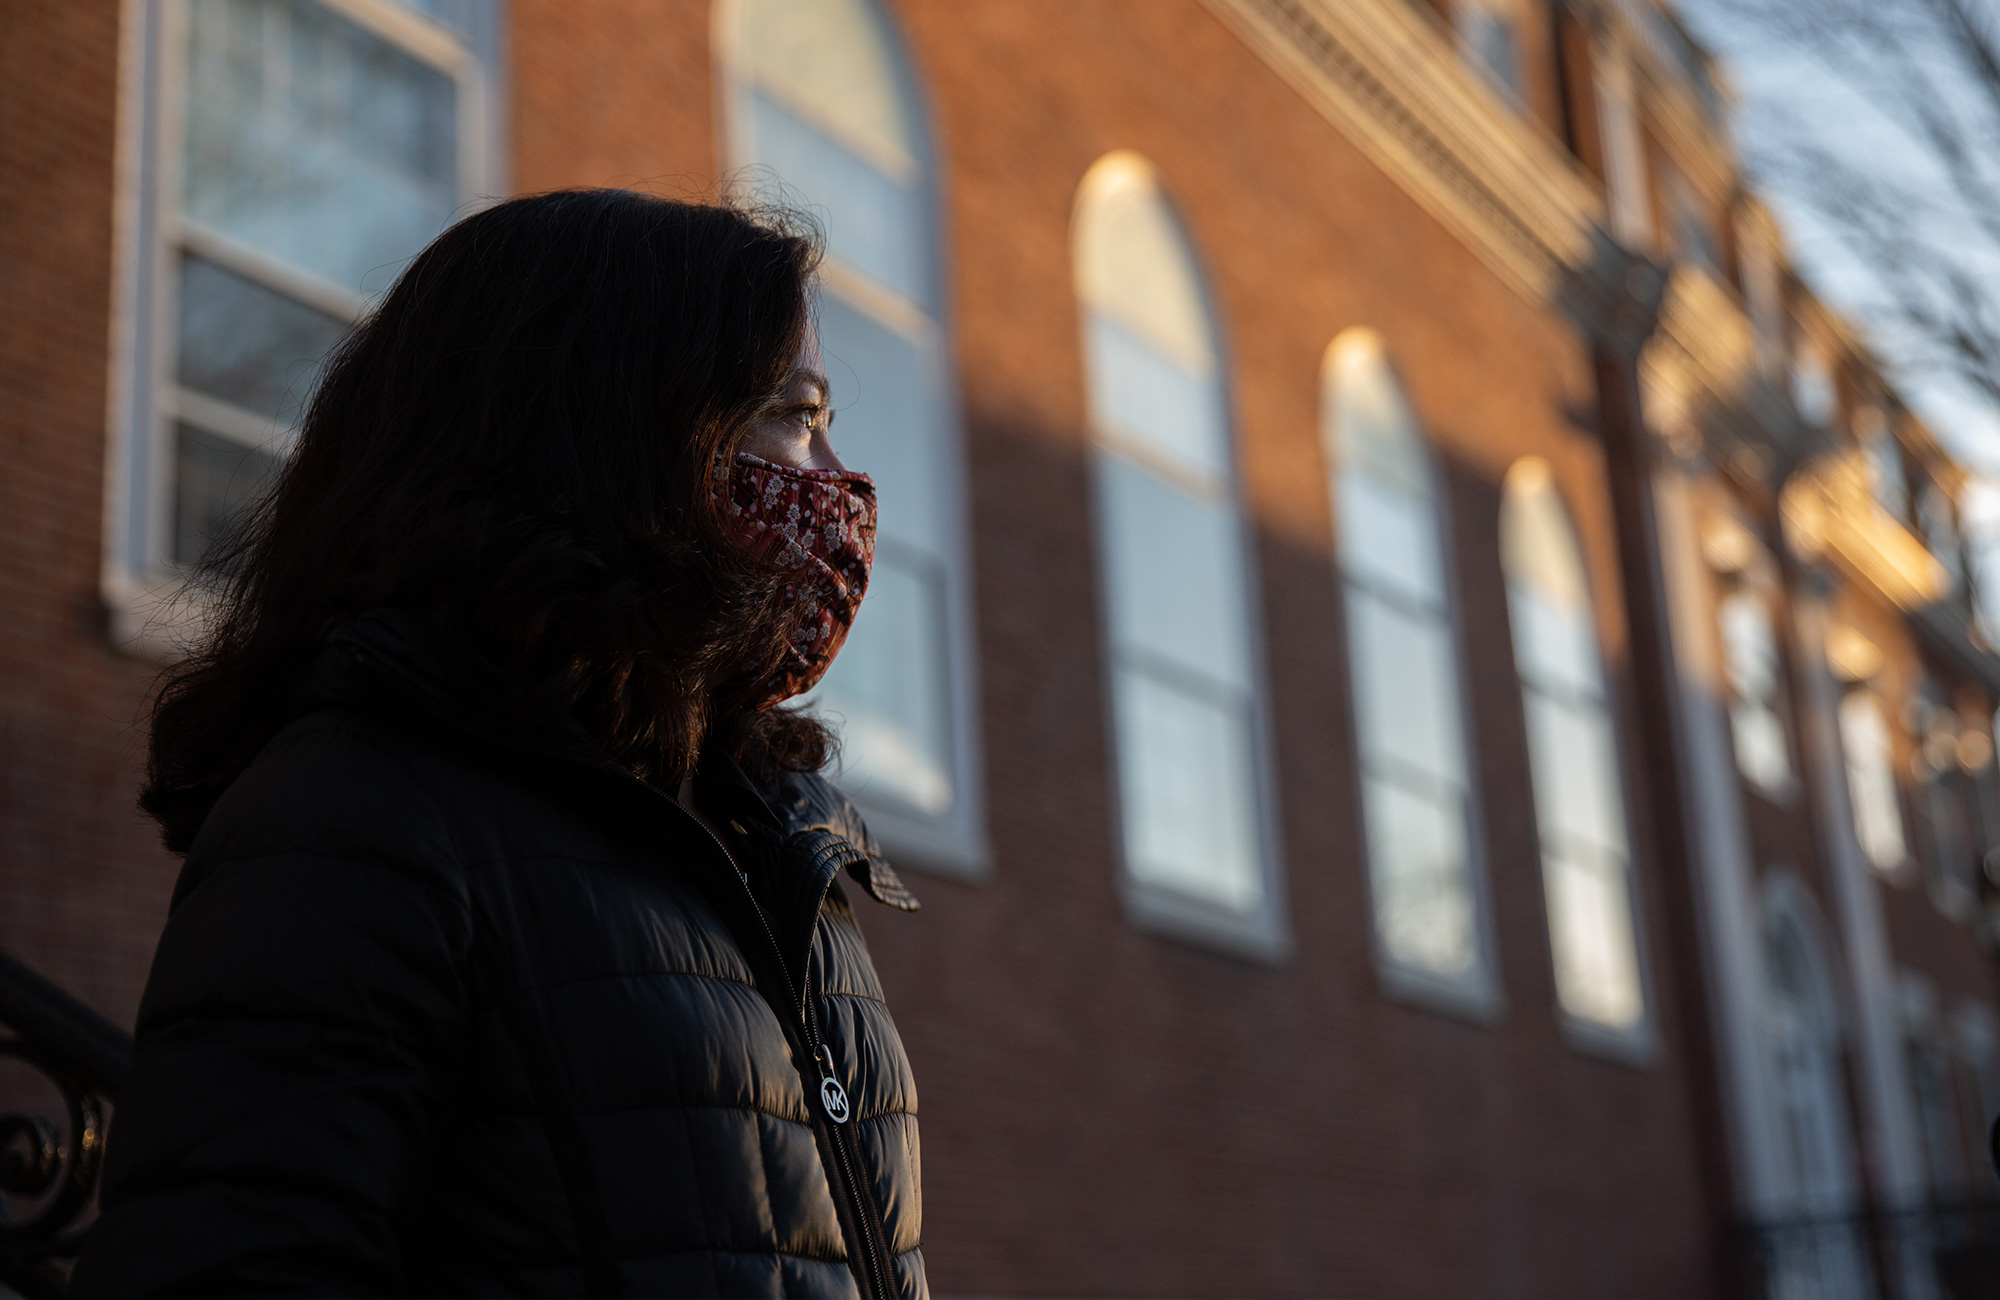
795,432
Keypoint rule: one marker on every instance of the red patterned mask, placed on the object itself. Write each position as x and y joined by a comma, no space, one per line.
819,526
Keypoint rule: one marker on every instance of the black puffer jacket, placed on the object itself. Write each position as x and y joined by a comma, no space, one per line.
443,1010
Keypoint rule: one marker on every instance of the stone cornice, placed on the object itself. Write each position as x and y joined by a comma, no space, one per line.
1392,82
1389,80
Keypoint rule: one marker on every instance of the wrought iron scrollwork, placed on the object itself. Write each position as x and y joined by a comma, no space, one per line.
49,1167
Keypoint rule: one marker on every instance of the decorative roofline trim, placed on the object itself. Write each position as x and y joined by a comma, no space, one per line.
1385,76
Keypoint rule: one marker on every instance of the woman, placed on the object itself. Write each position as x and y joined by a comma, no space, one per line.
510,955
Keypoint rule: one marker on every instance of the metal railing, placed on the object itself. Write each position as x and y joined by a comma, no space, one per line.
1927,1252
49,1165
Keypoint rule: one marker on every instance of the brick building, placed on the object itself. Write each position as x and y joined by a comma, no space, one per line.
1438,759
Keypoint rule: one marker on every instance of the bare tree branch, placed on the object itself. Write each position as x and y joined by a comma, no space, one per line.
1923,219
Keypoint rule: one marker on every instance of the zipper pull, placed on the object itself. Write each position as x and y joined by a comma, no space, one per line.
832,1097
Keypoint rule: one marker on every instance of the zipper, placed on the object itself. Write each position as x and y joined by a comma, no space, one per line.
847,1147
839,1137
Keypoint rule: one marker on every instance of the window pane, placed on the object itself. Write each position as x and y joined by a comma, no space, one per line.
1538,550
1624,152
315,141
1389,538
1140,392
1176,574
1374,434
1590,922
1404,688
1134,265
1693,239
1930,1081
1575,774
1420,878
458,15
1871,781
1185,772
888,422
1761,752
217,477
836,62
1813,391
887,694
873,224
1749,646
1952,865
247,345
1493,48
1555,645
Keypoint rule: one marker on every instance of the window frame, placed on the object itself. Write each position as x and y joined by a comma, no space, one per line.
1975,1048
1928,1051
1944,823
1768,602
1786,906
954,844
1505,16
1478,996
1638,1044
1858,694
1263,933
1628,183
153,613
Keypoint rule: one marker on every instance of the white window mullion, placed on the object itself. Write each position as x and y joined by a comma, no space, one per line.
274,273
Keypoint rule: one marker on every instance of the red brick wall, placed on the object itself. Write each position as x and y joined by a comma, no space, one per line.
615,92
83,883
1103,1111
1106,1111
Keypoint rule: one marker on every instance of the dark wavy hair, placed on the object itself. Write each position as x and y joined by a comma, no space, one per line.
520,444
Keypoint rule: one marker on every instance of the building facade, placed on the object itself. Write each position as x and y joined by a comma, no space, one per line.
1426,684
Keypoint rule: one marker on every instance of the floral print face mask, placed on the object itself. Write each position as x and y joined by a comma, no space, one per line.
819,527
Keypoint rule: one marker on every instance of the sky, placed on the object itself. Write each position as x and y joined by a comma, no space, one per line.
1782,95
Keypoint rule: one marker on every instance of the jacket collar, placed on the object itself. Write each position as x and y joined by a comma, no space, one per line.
412,664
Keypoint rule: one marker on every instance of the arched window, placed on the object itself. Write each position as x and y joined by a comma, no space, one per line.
1927,1056
1756,722
1977,1051
1871,781
1815,1164
823,111
1182,673
1403,657
1573,757
1802,1036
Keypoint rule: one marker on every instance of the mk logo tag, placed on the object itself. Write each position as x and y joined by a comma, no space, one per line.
834,1098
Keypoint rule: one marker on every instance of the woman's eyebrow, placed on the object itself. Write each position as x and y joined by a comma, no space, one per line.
817,379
